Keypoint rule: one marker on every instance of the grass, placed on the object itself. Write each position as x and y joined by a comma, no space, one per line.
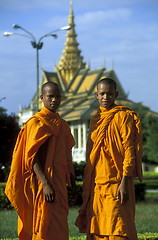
73,230
146,221
8,224
146,217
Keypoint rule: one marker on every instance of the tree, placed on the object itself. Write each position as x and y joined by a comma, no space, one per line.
151,147
149,121
9,130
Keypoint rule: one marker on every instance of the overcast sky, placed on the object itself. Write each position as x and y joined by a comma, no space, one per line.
122,34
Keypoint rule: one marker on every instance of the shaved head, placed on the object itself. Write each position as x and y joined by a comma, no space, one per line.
107,81
106,93
45,85
51,96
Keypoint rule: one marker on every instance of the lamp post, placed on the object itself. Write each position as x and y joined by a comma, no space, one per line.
37,45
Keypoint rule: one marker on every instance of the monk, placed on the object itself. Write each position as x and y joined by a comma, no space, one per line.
113,160
40,171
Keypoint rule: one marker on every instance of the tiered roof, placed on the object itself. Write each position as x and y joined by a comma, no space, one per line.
77,81
79,101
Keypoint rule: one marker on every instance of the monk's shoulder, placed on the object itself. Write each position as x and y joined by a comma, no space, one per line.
32,122
65,123
124,116
66,128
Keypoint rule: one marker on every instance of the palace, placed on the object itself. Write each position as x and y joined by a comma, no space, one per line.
77,82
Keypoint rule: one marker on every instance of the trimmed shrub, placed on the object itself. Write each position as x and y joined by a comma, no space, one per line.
4,202
79,194
79,170
140,191
148,236
140,188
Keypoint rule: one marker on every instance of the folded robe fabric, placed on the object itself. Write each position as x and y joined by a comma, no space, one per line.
47,135
114,149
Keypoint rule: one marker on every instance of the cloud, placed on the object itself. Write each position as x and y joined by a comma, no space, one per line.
31,4
104,17
56,21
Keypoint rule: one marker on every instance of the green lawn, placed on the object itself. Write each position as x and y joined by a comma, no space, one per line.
147,217
146,220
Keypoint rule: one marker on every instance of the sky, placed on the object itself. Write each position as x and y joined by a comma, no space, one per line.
118,34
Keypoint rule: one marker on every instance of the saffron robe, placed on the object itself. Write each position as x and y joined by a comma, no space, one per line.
48,136
114,149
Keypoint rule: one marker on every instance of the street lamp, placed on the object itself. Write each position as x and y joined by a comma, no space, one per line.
37,45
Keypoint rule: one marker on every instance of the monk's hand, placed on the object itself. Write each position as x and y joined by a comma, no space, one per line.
122,191
48,192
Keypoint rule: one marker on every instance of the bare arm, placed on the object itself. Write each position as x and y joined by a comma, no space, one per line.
48,191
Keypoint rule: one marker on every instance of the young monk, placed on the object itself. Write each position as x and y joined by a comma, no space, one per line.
113,160
41,168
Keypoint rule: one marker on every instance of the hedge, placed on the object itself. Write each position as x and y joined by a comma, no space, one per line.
145,236
139,192
149,182
4,202
150,179
150,174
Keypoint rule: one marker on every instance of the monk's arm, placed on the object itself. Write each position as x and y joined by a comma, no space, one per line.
128,141
48,191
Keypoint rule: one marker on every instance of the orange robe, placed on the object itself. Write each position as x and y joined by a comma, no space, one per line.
45,133
114,150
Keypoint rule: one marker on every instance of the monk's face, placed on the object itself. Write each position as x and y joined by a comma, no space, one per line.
106,95
51,97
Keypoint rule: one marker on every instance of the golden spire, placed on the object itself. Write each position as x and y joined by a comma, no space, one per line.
71,60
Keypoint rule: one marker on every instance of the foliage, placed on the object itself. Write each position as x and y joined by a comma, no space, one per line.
140,192
146,236
151,196
150,183
151,150
4,202
149,121
79,170
150,174
79,194
8,132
